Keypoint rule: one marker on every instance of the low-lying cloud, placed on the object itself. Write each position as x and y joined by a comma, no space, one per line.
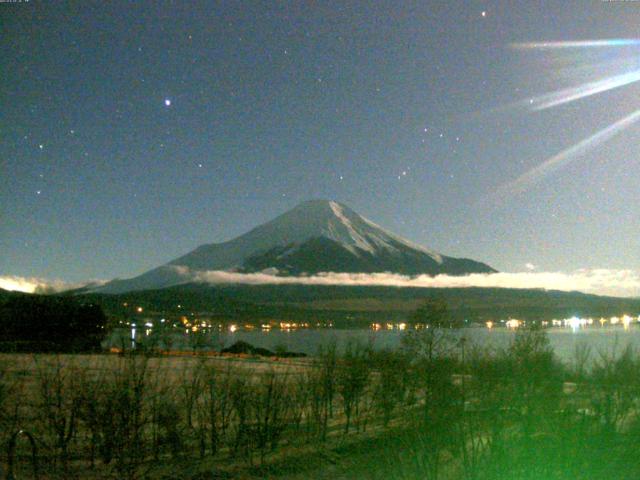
622,283
38,285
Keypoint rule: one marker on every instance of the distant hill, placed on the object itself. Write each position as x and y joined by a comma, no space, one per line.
350,305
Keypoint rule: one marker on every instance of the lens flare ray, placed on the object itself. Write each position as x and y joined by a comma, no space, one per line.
526,180
567,95
615,42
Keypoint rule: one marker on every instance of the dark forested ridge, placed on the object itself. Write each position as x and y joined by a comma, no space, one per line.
49,323
339,303
74,320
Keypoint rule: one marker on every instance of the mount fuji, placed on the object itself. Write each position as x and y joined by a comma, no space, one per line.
315,236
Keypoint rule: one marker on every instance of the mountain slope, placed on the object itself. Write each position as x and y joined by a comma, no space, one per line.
316,236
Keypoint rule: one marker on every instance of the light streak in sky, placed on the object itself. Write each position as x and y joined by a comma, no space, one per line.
567,95
614,42
523,182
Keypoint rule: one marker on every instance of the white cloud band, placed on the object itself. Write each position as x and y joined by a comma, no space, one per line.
622,283
38,285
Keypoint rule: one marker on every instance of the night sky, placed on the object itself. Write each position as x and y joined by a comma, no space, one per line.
130,133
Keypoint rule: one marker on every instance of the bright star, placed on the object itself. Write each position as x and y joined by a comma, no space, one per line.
167,102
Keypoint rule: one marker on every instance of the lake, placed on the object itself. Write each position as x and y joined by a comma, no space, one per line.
564,340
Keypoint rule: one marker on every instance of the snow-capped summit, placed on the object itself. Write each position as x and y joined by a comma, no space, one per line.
315,236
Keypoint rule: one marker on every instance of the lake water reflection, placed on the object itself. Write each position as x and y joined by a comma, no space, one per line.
563,340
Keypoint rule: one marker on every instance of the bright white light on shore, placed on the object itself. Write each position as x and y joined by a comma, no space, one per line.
513,323
233,328
575,323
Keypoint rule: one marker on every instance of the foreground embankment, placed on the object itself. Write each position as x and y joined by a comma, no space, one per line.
435,408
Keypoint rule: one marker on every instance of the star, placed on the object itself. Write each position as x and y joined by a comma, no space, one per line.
40,146
199,165
167,102
38,192
483,13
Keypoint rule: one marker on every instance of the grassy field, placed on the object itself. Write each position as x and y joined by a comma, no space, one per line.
435,409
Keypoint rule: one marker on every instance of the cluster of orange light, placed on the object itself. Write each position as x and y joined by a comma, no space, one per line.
388,326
